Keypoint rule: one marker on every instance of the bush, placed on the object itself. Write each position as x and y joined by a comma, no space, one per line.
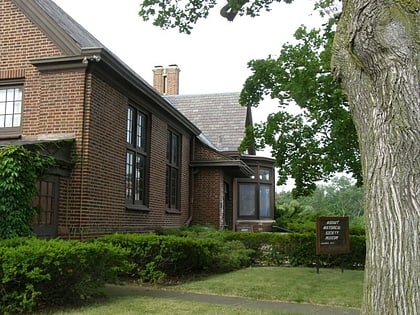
36,273
297,249
156,257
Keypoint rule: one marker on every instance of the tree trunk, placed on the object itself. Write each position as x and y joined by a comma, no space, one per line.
376,58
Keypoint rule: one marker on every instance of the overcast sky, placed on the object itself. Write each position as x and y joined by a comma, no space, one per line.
212,59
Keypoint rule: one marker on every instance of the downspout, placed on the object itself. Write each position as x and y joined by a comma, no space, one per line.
82,155
192,183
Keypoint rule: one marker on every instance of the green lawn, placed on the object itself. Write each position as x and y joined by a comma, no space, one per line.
330,286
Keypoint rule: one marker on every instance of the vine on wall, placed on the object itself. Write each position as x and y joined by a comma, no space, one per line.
20,170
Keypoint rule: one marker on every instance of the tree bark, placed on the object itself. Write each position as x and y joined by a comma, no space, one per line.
376,58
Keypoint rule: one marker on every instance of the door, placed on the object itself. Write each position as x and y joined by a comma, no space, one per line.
45,222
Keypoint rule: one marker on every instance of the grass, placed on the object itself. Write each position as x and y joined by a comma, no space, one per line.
330,286
145,305
303,285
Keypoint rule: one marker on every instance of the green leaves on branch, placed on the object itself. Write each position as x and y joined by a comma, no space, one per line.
184,14
19,172
319,139
170,14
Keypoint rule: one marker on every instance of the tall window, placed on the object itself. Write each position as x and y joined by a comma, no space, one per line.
10,108
135,165
255,195
172,170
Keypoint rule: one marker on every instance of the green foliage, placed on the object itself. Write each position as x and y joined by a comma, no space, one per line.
170,14
182,15
319,140
339,198
38,273
19,171
157,257
298,249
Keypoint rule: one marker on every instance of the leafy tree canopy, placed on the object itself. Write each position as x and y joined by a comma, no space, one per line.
320,140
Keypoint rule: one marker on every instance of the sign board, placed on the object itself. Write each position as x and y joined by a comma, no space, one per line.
332,236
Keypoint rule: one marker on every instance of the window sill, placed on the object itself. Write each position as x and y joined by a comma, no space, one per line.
9,135
141,208
173,211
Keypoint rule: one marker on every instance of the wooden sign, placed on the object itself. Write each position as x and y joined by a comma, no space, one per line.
332,236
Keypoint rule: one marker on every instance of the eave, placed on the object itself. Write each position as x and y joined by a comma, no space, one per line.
237,167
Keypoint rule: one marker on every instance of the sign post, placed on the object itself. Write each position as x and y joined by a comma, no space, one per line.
332,236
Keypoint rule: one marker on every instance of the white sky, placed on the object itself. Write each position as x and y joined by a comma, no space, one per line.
212,59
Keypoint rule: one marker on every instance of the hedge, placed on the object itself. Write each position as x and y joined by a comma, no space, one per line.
38,273
298,250
157,257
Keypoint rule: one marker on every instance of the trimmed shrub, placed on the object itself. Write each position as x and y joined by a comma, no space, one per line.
156,257
36,273
274,249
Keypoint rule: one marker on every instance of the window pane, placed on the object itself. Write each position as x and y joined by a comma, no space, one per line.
265,210
130,125
9,108
139,195
16,120
129,175
247,199
10,95
2,107
141,130
18,94
2,95
264,174
167,185
9,121
18,107
2,121
174,188
175,149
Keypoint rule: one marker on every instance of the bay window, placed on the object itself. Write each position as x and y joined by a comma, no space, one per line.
255,195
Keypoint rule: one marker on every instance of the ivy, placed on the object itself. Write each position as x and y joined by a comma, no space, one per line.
20,170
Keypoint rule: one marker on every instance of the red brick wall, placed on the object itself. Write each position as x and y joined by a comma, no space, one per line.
207,203
208,188
92,199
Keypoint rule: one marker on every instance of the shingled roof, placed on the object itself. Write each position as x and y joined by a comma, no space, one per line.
219,116
79,34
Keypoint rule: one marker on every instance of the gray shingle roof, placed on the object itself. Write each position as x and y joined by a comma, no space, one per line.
77,32
219,116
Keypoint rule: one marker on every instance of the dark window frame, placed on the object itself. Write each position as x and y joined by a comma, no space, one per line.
13,131
259,181
136,162
173,171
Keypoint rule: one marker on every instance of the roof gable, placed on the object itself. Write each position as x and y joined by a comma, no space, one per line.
219,116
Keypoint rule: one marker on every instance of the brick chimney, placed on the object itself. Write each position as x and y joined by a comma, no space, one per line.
166,79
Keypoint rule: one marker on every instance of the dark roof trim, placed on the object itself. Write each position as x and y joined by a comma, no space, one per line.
38,16
60,63
243,168
257,159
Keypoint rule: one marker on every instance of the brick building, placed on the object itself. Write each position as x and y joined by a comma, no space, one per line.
132,157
